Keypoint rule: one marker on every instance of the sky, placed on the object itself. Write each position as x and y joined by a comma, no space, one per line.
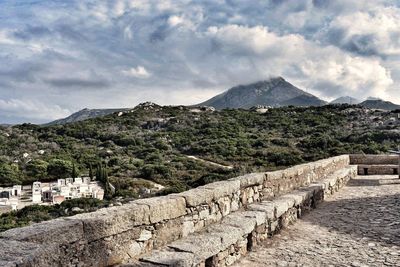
57,57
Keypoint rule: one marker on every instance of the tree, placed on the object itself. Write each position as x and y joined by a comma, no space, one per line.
75,172
9,174
102,176
37,169
91,172
59,168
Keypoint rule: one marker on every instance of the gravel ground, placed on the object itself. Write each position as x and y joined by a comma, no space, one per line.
358,226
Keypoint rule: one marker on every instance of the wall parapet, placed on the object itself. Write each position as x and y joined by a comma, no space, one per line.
376,164
113,235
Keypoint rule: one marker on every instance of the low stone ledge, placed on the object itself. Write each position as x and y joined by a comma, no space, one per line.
169,258
265,206
164,208
384,169
357,159
58,231
250,179
223,188
15,254
112,221
196,197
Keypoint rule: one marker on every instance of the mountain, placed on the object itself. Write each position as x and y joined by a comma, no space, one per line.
272,92
345,100
373,98
380,104
85,114
303,101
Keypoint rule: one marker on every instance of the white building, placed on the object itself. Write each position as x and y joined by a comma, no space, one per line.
65,189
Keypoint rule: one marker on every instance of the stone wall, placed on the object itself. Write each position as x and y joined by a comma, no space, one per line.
376,164
114,235
223,243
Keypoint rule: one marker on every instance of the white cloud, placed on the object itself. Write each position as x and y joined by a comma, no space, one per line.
5,38
138,72
31,109
182,51
375,32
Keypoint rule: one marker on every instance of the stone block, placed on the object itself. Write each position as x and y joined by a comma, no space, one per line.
15,253
250,179
240,220
168,231
275,175
260,216
282,205
202,245
112,221
59,231
223,188
265,206
172,258
196,197
164,208
228,234
297,196
290,173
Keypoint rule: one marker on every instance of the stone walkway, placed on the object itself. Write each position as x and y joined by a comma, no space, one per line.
357,226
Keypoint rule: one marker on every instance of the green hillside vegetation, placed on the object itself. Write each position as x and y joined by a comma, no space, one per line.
152,143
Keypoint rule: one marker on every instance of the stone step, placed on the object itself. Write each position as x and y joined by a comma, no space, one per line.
223,243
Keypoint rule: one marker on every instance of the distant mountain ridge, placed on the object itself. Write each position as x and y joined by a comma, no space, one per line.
273,92
379,104
85,114
346,100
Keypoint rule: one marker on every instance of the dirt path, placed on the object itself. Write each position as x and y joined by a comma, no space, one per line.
211,163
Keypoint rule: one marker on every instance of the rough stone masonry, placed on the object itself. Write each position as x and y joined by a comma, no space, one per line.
137,230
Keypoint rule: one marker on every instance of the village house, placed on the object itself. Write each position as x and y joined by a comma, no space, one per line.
13,198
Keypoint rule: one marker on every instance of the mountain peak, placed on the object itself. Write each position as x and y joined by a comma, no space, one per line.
346,100
275,91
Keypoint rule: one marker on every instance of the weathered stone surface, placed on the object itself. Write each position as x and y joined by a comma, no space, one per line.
297,196
59,231
168,231
374,159
171,258
282,204
196,197
250,179
240,220
265,206
276,175
201,245
228,234
164,208
260,216
112,221
16,253
223,188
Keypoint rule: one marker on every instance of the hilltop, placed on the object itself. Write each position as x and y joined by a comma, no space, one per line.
85,114
273,92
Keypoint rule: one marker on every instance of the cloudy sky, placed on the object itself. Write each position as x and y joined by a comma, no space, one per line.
58,56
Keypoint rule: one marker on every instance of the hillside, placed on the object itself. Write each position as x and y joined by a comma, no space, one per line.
181,147
274,92
379,104
85,114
